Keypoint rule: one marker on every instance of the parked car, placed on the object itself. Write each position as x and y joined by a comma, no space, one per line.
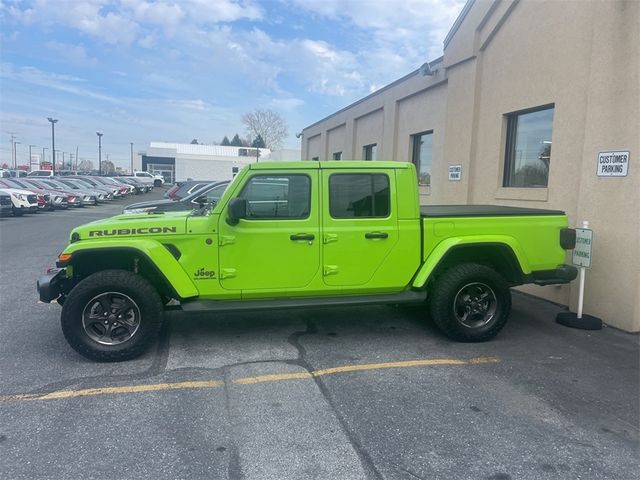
6,205
40,173
41,196
53,198
184,189
100,195
84,196
23,201
73,200
88,183
139,186
320,234
207,195
94,181
150,179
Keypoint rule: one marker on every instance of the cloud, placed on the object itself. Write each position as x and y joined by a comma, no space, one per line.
75,54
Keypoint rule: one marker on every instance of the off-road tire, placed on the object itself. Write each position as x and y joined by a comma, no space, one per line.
442,301
123,282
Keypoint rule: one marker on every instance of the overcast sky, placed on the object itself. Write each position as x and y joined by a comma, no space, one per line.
140,70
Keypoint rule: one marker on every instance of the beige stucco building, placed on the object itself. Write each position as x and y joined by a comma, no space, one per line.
525,102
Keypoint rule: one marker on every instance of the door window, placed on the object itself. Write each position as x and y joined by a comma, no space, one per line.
359,195
277,197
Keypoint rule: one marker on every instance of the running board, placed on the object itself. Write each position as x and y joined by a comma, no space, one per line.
409,296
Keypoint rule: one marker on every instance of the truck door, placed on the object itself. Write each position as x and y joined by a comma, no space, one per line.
277,245
359,225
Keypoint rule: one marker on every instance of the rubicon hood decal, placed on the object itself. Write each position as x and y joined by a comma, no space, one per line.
131,231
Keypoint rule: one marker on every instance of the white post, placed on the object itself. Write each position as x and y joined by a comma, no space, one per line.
585,224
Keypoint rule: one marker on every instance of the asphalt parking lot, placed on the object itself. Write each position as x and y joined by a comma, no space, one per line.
358,393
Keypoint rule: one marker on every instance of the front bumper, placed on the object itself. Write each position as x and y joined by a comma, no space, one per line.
52,284
561,274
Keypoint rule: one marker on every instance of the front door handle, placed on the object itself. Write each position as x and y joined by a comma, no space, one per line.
302,236
370,235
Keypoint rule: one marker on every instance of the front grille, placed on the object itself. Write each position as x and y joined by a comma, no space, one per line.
32,198
5,200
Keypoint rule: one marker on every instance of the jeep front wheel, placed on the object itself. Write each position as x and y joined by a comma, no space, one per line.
112,315
470,302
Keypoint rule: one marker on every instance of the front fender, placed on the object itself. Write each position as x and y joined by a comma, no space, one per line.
440,251
152,250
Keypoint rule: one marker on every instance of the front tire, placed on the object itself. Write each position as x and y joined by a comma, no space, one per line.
17,212
111,316
470,302
157,183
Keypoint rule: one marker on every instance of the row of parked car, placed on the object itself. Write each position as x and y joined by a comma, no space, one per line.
184,196
30,194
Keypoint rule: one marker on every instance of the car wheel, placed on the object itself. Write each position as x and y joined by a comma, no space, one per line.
157,183
470,302
112,315
17,212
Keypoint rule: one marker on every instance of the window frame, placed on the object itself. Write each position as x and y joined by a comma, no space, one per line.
415,150
511,140
310,191
370,148
389,211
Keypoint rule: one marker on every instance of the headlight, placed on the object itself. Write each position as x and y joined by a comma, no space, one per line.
87,198
19,196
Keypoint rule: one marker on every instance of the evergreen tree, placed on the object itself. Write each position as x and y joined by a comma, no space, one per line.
225,141
235,141
258,142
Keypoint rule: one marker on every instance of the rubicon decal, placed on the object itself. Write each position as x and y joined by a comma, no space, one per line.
131,231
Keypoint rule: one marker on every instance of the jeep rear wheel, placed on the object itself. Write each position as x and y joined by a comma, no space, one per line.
112,315
470,302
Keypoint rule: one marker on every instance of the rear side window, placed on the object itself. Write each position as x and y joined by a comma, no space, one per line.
277,196
359,195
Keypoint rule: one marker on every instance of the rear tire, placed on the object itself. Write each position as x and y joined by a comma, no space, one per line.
470,302
112,315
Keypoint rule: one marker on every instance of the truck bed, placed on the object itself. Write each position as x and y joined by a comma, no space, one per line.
437,211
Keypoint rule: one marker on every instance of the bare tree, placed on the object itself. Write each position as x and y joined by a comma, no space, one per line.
85,165
268,125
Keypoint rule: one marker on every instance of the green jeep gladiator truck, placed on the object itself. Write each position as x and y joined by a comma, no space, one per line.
297,235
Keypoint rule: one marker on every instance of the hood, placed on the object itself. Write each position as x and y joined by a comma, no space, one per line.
133,225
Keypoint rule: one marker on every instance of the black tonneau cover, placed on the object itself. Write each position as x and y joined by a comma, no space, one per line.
482,211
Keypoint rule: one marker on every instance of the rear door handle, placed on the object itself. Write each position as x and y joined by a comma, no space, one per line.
302,236
370,235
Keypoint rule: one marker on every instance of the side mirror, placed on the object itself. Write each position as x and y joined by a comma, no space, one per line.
237,210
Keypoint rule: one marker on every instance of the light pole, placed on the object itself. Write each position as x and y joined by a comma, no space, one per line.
15,155
53,143
131,157
30,155
99,152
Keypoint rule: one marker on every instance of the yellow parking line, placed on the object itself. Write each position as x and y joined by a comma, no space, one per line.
155,387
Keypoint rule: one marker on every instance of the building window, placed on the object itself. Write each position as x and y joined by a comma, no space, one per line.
422,156
359,195
370,152
528,148
277,197
337,155
315,159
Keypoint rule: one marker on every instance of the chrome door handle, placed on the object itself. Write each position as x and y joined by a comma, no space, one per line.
302,236
370,235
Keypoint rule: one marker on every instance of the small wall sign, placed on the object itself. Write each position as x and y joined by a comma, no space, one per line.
455,173
613,164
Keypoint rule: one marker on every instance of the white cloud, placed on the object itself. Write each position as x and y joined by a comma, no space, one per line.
75,54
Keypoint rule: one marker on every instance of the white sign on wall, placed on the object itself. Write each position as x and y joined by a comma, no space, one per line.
455,173
613,164
582,251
